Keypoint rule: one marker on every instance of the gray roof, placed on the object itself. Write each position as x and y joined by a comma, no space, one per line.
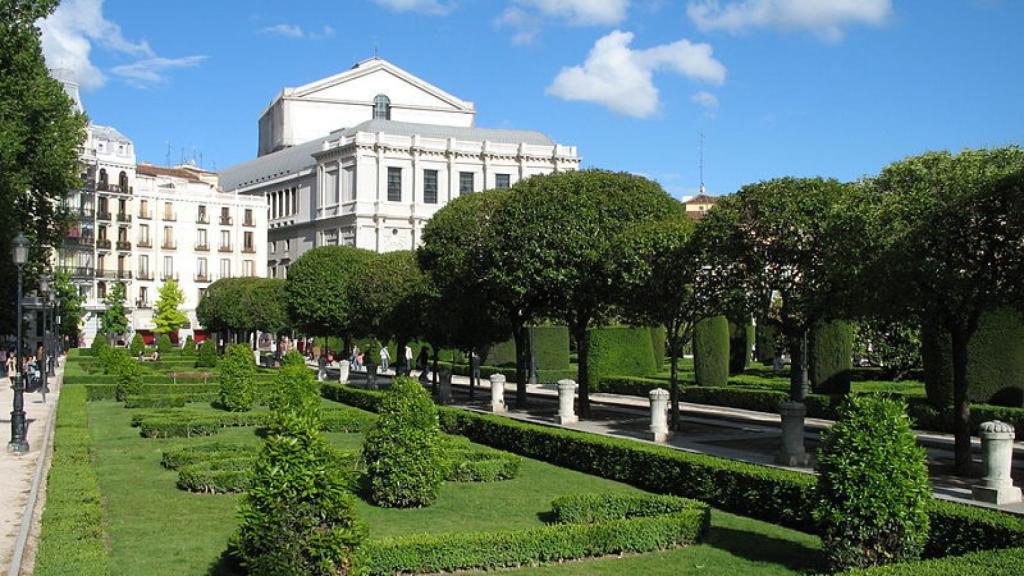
108,133
297,158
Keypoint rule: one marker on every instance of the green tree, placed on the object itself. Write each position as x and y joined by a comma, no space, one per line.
167,315
873,491
267,300
129,375
207,355
893,345
138,346
800,241
40,134
69,305
951,227
557,234
114,321
237,374
320,286
383,288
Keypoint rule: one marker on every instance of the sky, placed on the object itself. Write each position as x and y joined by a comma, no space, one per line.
834,88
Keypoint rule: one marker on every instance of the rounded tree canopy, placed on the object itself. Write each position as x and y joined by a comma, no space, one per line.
319,288
381,292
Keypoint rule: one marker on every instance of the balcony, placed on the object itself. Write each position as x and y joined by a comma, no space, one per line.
202,277
168,276
83,213
78,272
122,217
145,243
248,249
203,219
169,245
204,247
103,244
124,245
169,217
104,215
141,303
114,274
224,248
226,221
83,241
145,275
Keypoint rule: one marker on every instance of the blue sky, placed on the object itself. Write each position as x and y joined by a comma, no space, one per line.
778,87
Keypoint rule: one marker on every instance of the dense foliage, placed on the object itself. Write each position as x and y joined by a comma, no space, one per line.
245,305
711,351
403,452
320,286
138,345
129,375
207,355
114,320
163,344
873,488
831,356
894,346
167,316
237,372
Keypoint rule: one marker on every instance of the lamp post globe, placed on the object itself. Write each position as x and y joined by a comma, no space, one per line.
19,442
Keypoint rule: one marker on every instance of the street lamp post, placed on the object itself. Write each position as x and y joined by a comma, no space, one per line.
44,294
19,441
52,361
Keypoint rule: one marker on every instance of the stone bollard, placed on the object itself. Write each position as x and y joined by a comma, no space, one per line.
498,393
444,386
566,399
343,371
997,453
793,452
659,415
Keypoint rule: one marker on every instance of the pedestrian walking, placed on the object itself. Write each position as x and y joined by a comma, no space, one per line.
423,361
385,358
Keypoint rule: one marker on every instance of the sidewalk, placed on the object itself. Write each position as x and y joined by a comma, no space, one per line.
737,434
19,471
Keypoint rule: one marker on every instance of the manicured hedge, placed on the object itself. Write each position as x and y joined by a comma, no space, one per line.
831,357
432,553
193,392
620,350
659,344
551,347
543,376
741,344
995,361
178,423
711,351
1009,562
72,540
157,401
765,338
223,476
193,454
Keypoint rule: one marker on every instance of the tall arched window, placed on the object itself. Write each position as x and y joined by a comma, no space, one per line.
122,181
103,179
381,107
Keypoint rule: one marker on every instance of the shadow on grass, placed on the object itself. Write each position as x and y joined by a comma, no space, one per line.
761,548
226,565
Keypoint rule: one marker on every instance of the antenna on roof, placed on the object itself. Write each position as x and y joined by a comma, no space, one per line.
375,47
702,189
167,159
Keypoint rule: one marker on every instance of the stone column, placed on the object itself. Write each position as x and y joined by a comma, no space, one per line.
997,452
343,370
793,452
659,415
444,386
566,398
498,393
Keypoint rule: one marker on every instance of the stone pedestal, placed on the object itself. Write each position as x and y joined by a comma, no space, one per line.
498,393
997,453
659,415
371,376
444,386
566,402
793,452
343,371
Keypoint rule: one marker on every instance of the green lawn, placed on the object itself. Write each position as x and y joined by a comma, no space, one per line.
156,529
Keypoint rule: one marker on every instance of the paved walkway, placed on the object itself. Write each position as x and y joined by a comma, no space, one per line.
17,471
737,434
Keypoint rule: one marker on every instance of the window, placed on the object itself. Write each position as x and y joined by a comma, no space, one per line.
272,247
144,208
103,175
225,239
295,200
168,237
144,233
394,184
247,242
430,186
168,211
103,233
143,295
201,267
330,187
225,216
168,267
202,218
502,181
122,179
143,266
101,290
248,217
248,268
225,268
465,182
201,238
381,107
348,184
287,245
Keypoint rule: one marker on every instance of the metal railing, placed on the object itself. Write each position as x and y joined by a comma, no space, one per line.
124,245
226,220
204,247
124,217
104,215
169,245
224,248
103,244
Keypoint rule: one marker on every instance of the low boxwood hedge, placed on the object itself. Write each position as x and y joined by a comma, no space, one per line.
433,553
72,539
223,476
1008,562
481,466
594,508
156,401
188,455
183,423
192,392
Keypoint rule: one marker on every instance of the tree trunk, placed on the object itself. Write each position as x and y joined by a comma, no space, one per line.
522,337
673,379
961,403
583,368
433,375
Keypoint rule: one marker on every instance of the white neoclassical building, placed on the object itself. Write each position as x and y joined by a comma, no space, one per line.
365,157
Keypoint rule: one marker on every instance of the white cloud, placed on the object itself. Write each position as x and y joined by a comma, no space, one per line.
71,32
434,7
151,70
826,18
296,31
620,78
526,17
705,99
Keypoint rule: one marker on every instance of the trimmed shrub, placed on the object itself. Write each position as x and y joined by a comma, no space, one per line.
298,517
294,389
995,361
99,342
189,349
293,358
766,342
223,476
187,455
137,347
830,348
469,463
711,351
237,379
595,508
129,376
659,344
403,452
164,345
72,539
206,357
620,350
156,401
741,345
551,347
1007,562
873,488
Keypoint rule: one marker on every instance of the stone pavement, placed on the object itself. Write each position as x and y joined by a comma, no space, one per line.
737,434
18,471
